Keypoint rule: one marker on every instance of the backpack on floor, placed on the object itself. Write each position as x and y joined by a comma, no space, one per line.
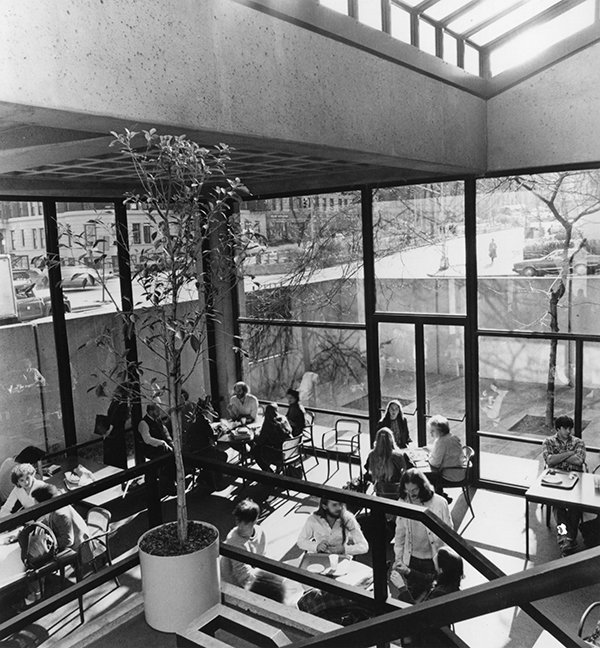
38,545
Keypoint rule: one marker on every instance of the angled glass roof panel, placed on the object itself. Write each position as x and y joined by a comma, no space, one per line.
512,20
400,24
369,13
336,5
479,14
444,8
540,37
410,3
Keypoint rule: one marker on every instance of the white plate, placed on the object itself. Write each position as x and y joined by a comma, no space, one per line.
551,479
316,568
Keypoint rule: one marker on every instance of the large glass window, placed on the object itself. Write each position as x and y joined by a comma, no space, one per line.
327,365
88,257
419,241
538,252
302,258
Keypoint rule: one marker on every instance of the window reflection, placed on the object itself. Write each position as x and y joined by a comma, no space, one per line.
302,258
420,248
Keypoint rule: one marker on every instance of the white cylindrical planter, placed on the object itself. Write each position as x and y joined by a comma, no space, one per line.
177,589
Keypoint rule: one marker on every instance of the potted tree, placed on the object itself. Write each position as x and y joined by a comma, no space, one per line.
189,199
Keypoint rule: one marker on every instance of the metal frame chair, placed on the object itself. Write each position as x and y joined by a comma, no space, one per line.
346,442
291,455
464,482
308,433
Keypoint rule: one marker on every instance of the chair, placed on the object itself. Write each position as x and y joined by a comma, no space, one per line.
291,456
594,638
308,432
96,547
345,441
464,482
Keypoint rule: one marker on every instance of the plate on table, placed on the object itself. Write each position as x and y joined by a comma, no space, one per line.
316,568
551,479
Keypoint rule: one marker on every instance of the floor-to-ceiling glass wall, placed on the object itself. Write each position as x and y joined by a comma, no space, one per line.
538,246
419,248
303,264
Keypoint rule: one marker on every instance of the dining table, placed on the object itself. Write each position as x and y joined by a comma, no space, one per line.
345,570
577,490
12,569
63,478
238,437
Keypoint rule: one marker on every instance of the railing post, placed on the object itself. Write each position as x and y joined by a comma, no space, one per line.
153,497
380,587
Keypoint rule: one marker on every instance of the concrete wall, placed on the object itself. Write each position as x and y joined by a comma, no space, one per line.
550,118
231,71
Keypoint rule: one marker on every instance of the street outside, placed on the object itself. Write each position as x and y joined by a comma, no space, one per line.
418,262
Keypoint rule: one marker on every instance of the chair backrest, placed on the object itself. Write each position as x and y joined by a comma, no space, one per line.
469,452
347,425
291,450
309,418
98,520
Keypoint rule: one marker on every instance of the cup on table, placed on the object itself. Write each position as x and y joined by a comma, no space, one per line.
333,561
243,420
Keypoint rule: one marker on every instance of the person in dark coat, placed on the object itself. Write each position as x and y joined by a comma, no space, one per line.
274,431
394,419
115,443
296,414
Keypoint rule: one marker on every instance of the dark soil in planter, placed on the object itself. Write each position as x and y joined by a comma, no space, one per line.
163,540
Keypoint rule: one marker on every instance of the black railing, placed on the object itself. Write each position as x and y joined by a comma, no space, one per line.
379,507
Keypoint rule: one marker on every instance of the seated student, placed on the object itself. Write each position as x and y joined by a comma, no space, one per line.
199,437
448,575
156,441
155,437
24,481
30,455
394,419
69,528
248,535
296,414
243,406
331,529
274,431
446,453
563,451
385,465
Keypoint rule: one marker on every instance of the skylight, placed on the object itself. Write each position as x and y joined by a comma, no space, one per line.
537,39
499,33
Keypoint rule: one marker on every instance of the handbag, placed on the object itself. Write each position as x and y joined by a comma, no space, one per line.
102,424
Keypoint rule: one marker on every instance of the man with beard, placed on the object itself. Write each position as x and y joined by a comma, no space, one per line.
331,529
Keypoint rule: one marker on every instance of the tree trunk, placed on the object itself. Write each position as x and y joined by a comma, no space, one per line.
556,292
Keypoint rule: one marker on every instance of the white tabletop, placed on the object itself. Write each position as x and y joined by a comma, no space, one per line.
11,567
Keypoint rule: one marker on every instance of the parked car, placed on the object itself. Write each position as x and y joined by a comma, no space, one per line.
77,276
37,277
582,264
30,306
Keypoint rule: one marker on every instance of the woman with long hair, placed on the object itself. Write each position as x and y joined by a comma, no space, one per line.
394,419
274,431
415,545
385,465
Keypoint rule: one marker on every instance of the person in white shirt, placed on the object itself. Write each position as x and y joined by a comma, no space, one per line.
23,478
246,535
243,406
29,455
331,529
